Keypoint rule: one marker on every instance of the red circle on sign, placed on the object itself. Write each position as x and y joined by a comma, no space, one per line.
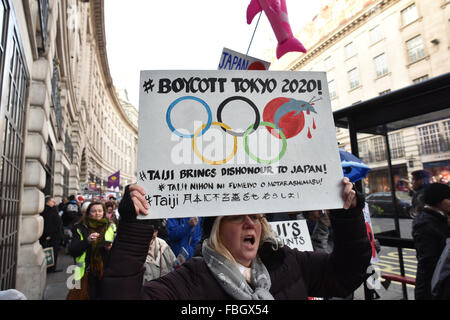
290,123
256,66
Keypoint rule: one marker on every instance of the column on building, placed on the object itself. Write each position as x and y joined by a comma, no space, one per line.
31,275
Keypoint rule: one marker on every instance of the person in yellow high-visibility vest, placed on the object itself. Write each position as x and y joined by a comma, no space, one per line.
92,240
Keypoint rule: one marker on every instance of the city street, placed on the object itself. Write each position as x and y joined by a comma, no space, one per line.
245,109
389,262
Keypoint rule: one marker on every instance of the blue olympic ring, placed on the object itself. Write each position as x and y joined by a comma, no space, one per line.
169,122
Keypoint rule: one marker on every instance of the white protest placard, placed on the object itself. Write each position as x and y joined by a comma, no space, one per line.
374,259
293,233
236,142
232,60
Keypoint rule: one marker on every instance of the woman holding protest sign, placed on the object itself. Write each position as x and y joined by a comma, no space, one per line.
241,258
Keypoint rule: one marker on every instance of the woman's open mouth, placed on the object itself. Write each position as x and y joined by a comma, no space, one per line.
249,239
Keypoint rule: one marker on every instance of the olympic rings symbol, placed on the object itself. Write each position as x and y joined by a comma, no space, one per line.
200,131
226,101
173,104
194,145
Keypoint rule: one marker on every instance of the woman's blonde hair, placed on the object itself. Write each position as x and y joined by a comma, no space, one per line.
215,242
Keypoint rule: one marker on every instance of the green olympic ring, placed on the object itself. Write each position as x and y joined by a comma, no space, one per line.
262,161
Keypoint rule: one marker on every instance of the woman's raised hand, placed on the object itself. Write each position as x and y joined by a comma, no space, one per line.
137,194
133,203
348,195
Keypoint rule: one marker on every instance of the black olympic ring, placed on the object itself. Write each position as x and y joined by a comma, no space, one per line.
225,102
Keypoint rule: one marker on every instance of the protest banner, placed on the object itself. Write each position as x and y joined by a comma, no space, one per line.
232,60
236,142
114,180
293,233
370,235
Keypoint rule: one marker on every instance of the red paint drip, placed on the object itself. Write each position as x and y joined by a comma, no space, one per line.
314,124
309,133
307,111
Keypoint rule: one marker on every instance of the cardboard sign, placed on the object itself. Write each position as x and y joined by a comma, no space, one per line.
236,142
294,234
232,60
49,256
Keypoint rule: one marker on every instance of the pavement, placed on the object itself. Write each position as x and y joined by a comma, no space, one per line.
57,284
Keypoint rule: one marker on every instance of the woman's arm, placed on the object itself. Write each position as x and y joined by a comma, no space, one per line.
77,245
123,276
345,269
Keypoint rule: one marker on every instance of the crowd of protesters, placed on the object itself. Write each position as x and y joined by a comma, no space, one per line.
87,230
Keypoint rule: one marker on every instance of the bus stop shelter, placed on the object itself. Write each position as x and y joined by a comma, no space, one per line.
410,106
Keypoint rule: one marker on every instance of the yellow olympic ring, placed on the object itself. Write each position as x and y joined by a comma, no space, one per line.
194,144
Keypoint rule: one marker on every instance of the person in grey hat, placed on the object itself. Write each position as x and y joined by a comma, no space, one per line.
420,179
430,229
241,258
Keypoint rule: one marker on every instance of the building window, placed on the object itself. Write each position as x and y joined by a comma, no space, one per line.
332,89
429,139
415,48
384,92
396,145
420,79
381,67
56,98
349,50
363,148
375,34
66,182
379,148
353,78
43,15
49,169
409,15
446,142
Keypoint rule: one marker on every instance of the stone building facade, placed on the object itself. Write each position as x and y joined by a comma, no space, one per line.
372,47
62,123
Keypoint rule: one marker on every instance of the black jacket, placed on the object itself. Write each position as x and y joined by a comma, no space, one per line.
294,274
52,227
80,244
430,231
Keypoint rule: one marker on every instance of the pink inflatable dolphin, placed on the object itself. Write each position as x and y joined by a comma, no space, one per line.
276,12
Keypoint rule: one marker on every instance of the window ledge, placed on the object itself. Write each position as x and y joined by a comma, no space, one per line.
382,76
352,56
355,88
419,19
418,60
378,41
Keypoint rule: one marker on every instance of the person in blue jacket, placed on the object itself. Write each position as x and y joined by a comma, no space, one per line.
184,232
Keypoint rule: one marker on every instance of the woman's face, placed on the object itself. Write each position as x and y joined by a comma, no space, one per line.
96,211
241,235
